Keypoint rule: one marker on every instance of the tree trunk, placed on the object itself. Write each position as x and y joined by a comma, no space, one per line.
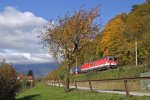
66,85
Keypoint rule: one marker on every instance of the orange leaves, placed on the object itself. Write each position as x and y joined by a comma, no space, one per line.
73,32
53,75
112,36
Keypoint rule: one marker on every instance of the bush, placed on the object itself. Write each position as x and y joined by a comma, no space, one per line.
9,85
23,83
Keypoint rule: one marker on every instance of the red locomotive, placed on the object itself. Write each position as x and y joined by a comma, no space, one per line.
108,62
100,64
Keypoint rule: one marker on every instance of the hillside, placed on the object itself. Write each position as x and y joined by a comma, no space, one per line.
118,38
120,72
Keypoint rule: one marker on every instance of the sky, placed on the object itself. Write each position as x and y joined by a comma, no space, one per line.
21,21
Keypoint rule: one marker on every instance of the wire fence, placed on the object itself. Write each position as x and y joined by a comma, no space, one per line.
145,84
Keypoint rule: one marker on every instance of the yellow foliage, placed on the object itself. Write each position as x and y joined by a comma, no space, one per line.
112,36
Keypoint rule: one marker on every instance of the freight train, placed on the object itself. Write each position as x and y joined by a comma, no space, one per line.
104,63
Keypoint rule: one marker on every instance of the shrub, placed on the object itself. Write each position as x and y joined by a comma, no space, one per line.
9,85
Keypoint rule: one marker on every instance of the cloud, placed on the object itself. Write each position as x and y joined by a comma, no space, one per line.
14,19
18,37
21,58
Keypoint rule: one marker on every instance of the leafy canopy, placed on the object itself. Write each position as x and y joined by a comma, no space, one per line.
71,33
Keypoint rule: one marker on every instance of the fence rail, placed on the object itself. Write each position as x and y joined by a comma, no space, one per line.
117,79
125,80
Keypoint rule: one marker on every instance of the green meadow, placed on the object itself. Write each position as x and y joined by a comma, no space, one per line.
45,92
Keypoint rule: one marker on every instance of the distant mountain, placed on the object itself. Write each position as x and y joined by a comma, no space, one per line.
39,70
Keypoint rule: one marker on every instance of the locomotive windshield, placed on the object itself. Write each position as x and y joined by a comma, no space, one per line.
112,58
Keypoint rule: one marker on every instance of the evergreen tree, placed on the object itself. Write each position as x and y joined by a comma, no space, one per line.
30,73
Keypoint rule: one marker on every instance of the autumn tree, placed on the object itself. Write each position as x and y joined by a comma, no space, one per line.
70,34
137,29
53,75
119,36
9,84
87,53
30,73
134,7
113,41
148,1
145,46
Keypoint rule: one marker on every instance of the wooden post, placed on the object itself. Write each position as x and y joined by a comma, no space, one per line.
136,59
126,88
75,84
90,85
30,83
54,83
59,84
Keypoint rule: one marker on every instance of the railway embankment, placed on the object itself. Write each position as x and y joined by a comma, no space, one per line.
120,72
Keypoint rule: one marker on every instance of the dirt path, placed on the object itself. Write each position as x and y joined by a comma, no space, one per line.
104,91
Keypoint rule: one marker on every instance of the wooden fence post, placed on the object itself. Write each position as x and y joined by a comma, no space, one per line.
54,83
126,88
30,83
75,84
59,84
90,85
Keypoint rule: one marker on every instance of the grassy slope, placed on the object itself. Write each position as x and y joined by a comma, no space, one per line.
121,72
45,92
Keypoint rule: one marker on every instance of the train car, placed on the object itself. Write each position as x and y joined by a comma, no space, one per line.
76,70
100,64
86,67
